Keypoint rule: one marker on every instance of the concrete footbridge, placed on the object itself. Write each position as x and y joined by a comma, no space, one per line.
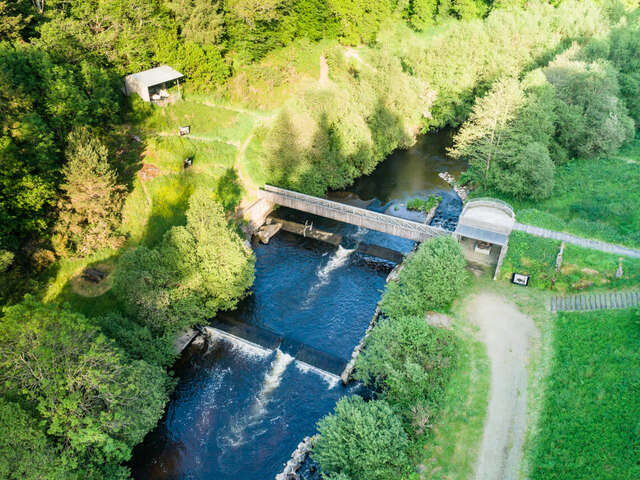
418,232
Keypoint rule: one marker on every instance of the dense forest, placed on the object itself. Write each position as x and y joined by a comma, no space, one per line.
530,88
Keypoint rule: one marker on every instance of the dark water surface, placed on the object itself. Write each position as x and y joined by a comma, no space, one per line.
240,410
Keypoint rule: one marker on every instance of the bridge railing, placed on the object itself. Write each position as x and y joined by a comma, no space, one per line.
323,206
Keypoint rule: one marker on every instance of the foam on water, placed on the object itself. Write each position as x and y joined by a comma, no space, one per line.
337,260
258,409
244,347
331,379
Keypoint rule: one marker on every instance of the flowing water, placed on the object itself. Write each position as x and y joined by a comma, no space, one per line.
239,409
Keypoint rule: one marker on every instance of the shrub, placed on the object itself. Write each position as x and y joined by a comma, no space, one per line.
411,363
197,270
95,401
362,440
419,204
430,280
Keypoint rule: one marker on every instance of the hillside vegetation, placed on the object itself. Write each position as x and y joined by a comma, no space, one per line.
305,94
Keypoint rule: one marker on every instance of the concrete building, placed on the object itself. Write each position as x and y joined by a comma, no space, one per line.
483,231
151,85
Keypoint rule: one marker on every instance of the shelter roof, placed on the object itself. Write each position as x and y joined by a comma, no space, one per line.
155,76
481,234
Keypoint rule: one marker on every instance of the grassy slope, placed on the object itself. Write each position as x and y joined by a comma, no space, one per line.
226,143
593,198
589,426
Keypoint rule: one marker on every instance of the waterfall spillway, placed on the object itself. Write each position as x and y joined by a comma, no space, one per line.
274,375
337,260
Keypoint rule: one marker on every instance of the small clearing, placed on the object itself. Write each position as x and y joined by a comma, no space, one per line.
507,334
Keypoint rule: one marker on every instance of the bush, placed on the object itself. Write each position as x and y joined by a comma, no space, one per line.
432,277
196,271
96,402
411,362
421,205
362,440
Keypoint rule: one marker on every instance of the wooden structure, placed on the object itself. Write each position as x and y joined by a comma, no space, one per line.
590,302
360,217
152,84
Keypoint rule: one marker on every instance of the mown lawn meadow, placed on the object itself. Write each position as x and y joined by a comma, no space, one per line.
589,425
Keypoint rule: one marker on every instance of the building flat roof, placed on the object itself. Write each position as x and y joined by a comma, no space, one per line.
155,76
475,233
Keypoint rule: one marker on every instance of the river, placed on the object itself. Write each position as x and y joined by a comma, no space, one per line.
239,410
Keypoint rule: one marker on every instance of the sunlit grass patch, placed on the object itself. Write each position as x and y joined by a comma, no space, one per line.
169,153
207,122
594,198
254,157
589,425
582,269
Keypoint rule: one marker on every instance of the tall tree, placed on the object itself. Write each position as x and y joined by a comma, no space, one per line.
96,402
91,202
592,120
197,270
481,137
200,21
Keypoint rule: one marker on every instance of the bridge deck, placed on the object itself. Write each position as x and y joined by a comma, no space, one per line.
360,217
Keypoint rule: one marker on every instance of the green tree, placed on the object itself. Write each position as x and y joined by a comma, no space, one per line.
422,13
255,27
15,19
508,136
196,271
592,120
362,440
361,19
25,451
481,138
91,202
411,362
623,54
96,402
200,21
432,277
41,100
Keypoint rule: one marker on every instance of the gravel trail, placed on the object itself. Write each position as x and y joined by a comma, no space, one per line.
507,334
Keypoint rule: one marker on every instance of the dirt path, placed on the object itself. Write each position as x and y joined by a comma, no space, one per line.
507,334
323,81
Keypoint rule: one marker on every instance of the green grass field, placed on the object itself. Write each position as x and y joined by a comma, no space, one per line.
595,198
582,269
590,424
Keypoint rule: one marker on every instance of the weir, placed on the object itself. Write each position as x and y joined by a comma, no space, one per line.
268,340
309,231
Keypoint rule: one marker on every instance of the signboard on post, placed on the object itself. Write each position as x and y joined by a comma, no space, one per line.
520,279
184,130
